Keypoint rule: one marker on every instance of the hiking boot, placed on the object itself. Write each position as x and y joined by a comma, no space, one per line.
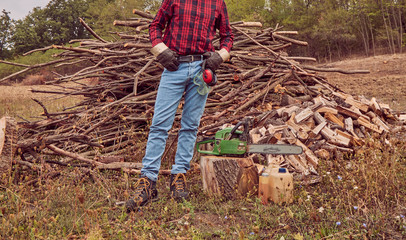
178,187
145,192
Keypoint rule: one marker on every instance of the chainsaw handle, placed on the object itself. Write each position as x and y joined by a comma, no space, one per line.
245,133
210,140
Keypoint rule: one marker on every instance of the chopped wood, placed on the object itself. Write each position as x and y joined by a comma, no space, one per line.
309,154
318,128
348,112
306,113
334,119
366,123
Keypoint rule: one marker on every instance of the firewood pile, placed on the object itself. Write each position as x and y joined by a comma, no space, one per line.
286,98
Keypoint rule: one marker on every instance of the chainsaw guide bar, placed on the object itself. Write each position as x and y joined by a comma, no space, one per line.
279,149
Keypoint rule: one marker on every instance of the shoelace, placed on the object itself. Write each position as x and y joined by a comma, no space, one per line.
141,185
179,184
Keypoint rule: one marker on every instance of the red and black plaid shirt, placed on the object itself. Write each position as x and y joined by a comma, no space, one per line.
190,26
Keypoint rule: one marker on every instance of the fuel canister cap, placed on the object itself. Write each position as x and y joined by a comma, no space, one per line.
282,170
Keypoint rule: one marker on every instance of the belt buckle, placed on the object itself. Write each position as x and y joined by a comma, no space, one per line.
197,58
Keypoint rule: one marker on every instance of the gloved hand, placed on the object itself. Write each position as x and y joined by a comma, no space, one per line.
168,59
213,61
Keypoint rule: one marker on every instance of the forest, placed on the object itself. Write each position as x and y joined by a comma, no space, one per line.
334,29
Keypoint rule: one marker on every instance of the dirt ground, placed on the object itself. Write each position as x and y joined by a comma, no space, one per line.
386,80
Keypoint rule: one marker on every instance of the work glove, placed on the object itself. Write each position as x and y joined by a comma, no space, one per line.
168,59
213,60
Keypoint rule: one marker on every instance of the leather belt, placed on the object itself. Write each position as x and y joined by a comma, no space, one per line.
190,58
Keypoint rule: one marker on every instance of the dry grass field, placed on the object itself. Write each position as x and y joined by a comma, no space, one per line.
16,101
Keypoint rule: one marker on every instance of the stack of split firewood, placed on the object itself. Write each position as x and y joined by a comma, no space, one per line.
325,127
287,98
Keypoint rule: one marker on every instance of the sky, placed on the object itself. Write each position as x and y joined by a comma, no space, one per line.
20,8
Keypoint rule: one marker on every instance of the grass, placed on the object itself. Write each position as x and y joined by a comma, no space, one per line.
32,59
16,101
360,197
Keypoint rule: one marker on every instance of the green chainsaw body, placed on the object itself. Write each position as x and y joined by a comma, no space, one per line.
222,144
230,141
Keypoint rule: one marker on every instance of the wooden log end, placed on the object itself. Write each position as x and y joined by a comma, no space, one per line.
229,177
8,143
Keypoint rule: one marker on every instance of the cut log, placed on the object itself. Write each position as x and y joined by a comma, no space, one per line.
327,110
143,14
248,24
230,177
348,112
296,161
8,140
335,138
287,111
297,127
317,129
376,107
287,39
334,119
361,106
349,126
366,123
129,23
350,100
306,113
324,102
329,134
380,123
311,158
288,100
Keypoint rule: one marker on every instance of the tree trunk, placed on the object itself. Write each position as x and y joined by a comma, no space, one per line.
229,177
364,33
372,35
385,24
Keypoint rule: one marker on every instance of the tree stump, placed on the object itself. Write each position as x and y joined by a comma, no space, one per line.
8,140
230,177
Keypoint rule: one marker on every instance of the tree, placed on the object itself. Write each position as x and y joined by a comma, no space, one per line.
57,23
62,20
31,32
248,10
102,13
6,32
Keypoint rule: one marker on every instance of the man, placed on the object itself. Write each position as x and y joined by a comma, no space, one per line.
190,26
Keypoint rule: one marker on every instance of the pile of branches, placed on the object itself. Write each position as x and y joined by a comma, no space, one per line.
114,115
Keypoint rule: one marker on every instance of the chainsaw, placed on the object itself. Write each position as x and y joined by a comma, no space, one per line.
231,141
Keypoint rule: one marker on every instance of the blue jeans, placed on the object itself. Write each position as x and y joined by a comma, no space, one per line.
170,91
